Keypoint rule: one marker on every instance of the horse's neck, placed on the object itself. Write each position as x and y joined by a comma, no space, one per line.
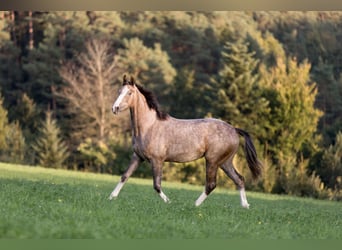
142,118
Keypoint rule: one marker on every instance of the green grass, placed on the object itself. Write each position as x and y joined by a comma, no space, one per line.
46,203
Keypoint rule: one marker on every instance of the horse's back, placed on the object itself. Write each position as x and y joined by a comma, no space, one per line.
191,139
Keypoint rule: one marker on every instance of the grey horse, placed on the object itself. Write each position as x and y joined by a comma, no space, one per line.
159,138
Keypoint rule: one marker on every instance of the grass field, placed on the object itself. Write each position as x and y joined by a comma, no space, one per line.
46,203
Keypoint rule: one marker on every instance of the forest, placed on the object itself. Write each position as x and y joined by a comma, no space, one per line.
274,74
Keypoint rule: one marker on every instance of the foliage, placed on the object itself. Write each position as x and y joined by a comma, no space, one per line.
293,115
328,165
293,120
150,66
50,149
238,99
299,183
12,141
329,100
16,146
3,25
267,72
3,125
28,116
96,153
332,163
187,104
10,77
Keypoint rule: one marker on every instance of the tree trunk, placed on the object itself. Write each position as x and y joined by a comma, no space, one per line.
12,21
30,31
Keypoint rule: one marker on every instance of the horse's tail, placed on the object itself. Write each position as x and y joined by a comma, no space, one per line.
251,155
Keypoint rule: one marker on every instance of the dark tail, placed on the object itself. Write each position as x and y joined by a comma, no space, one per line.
251,155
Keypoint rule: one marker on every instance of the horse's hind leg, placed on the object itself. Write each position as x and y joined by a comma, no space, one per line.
129,171
238,179
210,183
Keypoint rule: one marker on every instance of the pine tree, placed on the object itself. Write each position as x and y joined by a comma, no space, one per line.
150,66
28,116
3,126
50,149
185,99
16,144
10,68
329,100
238,99
12,142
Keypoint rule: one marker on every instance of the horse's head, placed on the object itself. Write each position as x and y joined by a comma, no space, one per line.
126,93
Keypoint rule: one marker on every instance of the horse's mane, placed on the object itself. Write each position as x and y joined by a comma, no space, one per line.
152,102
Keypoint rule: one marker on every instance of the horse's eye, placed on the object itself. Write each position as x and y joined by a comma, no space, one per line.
130,93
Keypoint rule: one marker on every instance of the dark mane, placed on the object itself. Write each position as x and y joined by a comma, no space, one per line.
152,102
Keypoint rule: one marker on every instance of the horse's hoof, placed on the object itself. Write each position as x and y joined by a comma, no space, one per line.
111,197
245,206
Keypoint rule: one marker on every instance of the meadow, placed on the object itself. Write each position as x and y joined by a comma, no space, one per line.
40,203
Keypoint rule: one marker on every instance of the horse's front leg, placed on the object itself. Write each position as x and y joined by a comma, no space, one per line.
157,176
135,161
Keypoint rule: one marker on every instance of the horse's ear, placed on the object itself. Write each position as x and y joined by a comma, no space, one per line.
132,81
124,80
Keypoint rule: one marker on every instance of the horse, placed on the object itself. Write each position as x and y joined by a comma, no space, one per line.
158,137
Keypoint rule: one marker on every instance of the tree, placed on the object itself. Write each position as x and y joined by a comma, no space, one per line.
150,66
293,117
12,142
185,98
4,35
28,115
10,68
330,165
50,149
239,99
329,100
43,61
90,89
105,22
41,69
3,126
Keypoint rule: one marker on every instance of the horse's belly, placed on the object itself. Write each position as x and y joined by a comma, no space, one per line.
179,154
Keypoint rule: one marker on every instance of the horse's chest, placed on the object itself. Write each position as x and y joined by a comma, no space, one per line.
141,149
147,150
137,148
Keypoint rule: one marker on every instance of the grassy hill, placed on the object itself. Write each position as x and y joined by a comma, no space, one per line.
46,203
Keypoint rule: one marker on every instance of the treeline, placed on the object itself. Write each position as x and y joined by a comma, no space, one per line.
274,74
